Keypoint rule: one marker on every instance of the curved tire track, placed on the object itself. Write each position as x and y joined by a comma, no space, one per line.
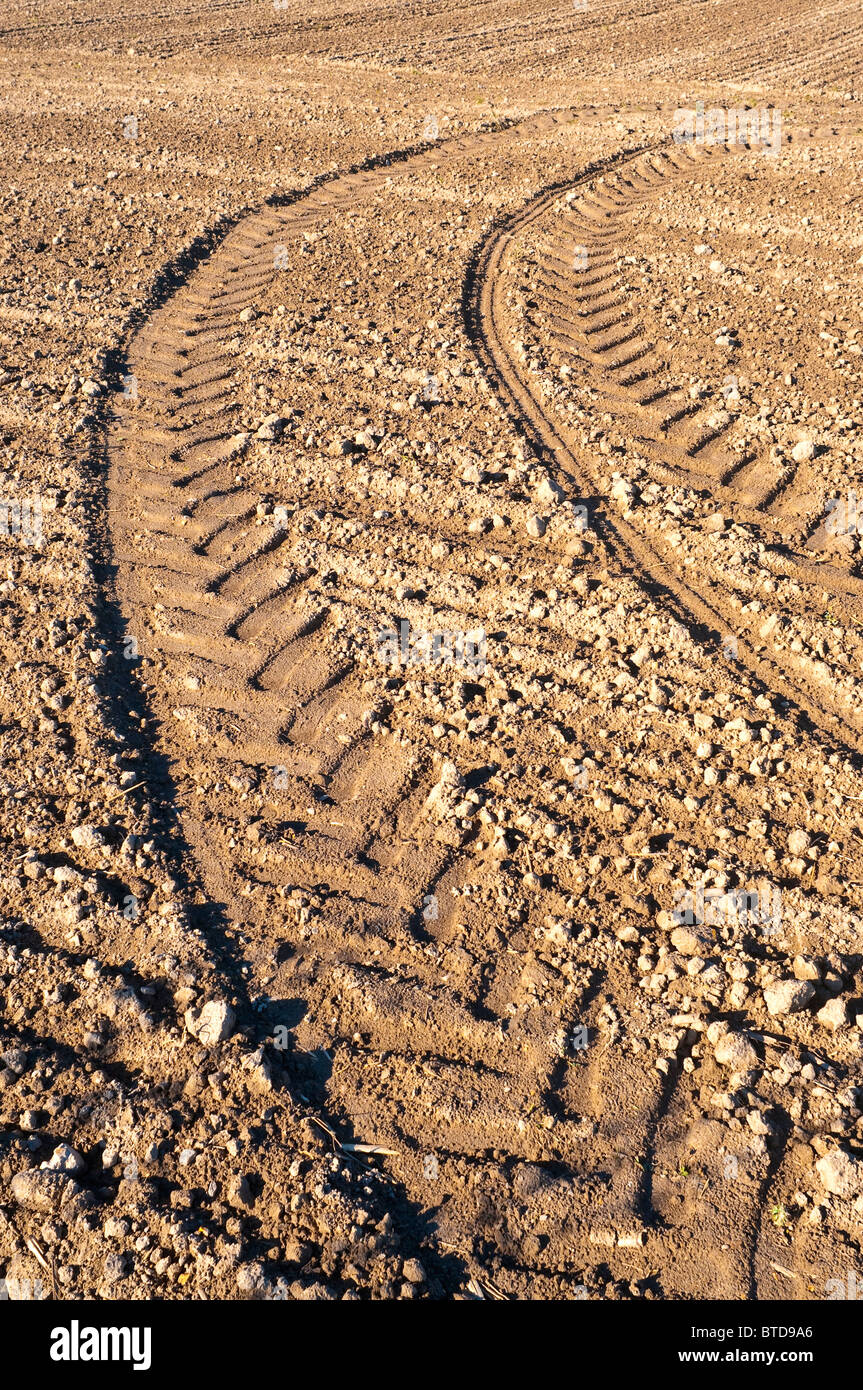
648,403
487,319
255,677
255,673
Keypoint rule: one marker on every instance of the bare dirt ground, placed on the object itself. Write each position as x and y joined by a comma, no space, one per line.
332,968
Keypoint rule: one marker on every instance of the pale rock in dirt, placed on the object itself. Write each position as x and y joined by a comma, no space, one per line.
798,842
443,796
87,837
736,1051
834,1015
840,1173
65,1159
549,493
211,1024
692,941
42,1190
252,1281
787,996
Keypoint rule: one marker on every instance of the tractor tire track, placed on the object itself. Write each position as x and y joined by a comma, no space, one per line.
258,686
696,462
583,314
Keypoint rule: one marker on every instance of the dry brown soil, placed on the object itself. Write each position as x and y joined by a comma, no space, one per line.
326,974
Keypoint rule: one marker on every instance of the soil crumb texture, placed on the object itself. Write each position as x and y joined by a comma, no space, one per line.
431,620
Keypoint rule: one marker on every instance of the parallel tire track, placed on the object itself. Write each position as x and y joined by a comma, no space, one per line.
259,687
260,691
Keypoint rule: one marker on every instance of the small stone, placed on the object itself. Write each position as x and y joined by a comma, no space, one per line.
240,1192
549,493
16,1060
735,1050
248,315
447,790
834,1015
840,1173
693,941
788,996
759,1125
115,1266
211,1024
87,837
296,1252
41,1190
803,452
536,526
272,427
413,1271
311,1293
805,969
798,842
715,523
260,1070
252,1280
722,1101
65,1159
658,696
